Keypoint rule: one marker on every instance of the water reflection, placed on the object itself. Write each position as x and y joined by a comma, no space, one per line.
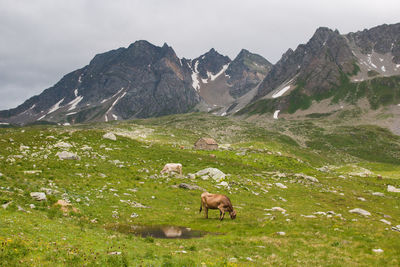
158,231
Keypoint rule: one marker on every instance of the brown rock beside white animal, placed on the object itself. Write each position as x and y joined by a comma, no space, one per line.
216,201
172,167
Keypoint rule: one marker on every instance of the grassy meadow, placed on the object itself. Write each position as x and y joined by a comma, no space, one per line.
106,186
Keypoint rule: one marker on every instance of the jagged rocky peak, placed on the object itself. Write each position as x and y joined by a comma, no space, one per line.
211,62
142,80
318,64
381,39
246,71
249,62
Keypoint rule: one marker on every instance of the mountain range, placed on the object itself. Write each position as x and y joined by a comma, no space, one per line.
144,80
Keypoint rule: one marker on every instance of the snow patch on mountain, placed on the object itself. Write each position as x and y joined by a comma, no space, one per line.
276,114
195,77
55,107
281,92
74,102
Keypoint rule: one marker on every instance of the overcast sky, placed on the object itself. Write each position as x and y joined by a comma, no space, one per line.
42,40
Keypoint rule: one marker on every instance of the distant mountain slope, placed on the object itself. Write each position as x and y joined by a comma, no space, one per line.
140,81
327,66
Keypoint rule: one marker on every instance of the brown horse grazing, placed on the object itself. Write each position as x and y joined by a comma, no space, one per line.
215,201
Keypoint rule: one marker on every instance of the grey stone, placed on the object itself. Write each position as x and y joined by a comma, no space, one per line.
63,145
214,173
190,187
67,155
393,189
360,212
110,136
39,196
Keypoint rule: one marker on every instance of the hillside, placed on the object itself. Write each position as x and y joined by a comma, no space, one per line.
294,185
345,69
141,81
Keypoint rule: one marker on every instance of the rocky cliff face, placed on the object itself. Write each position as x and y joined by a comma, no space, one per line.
246,71
320,68
141,81
317,64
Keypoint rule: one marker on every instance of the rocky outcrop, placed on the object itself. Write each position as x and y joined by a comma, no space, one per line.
140,81
245,72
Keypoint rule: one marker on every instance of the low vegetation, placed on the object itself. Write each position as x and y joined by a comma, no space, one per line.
314,173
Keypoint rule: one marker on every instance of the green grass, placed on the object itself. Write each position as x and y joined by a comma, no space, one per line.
379,92
110,171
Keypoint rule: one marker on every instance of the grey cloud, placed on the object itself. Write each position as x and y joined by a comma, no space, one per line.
43,40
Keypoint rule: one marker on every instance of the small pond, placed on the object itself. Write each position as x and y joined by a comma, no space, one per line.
158,231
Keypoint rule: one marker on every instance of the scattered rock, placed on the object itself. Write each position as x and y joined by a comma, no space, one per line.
379,194
396,228
67,155
307,177
360,212
39,196
377,250
361,199
280,233
233,259
134,215
63,145
281,185
214,173
49,191
276,209
86,148
134,204
110,136
385,221
309,216
223,183
5,206
190,187
391,188
191,176
32,206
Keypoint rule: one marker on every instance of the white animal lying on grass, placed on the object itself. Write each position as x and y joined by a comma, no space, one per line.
172,167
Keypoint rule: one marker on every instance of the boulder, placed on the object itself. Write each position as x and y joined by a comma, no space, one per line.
39,196
307,177
190,187
67,155
391,188
360,212
385,221
276,209
110,136
379,194
213,173
281,185
63,145
224,184
378,250
5,206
